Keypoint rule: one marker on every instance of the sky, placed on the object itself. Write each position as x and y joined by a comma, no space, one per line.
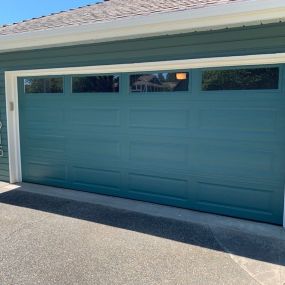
12,11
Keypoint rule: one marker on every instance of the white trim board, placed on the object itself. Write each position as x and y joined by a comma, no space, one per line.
12,89
244,60
235,14
13,129
284,211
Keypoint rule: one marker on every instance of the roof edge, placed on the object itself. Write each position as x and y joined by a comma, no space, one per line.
216,17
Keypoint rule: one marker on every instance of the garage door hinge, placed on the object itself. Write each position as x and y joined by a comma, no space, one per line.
11,106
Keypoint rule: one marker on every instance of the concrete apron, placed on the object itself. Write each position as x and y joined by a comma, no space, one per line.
230,233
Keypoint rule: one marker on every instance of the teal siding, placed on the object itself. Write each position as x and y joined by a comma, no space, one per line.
239,41
4,164
263,39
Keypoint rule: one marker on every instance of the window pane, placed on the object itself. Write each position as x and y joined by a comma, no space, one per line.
89,84
43,85
159,82
241,79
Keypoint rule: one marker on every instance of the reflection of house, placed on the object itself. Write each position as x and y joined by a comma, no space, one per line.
152,83
147,83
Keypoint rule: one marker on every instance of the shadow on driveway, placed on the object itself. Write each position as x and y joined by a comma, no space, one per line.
251,246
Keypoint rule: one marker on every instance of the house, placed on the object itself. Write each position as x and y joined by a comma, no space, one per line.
176,102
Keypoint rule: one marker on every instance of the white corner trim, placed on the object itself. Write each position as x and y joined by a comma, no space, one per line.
11,83
13,128
284,211
238,13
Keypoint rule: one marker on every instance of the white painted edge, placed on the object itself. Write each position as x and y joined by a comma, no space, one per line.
227,61
12,89
284,211
236,14
13,129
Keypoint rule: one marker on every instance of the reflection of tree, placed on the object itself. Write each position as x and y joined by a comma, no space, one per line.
44,85
161,77
241,79
105,83
171,77
55,85
34,85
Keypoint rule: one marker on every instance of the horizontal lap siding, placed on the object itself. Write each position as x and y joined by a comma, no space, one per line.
239,41
265,39
4,163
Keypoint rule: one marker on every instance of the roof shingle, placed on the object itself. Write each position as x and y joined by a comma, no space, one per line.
107,11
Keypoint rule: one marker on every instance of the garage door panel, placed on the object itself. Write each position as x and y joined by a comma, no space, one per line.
43,155
158,185
48,182
46,127
89,117
162,151
94,148
77,130
239,211
47,171
242,117
241,196
45,142
42,115
249,136
43,148
176,133
252,96
35,104
234,158
159,118
159,153
43,120
233,195
92,178
238,119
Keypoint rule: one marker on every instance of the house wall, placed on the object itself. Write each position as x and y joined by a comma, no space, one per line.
4,166
227,42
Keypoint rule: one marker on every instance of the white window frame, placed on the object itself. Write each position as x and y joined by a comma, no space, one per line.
11,88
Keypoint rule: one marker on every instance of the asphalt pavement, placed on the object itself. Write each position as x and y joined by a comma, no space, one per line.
48,240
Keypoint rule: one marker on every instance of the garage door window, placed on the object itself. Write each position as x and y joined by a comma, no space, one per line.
96,84
159,82
241,79
43,85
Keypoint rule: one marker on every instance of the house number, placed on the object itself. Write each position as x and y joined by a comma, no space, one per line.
1,147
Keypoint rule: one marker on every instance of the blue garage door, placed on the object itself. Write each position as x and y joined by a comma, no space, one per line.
210,140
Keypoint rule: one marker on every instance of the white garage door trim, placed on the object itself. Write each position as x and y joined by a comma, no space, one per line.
12,89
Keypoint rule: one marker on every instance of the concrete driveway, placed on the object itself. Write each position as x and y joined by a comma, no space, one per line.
49,240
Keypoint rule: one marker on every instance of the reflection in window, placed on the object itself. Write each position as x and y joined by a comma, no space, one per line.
98,84
159,82
43,85
241,79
